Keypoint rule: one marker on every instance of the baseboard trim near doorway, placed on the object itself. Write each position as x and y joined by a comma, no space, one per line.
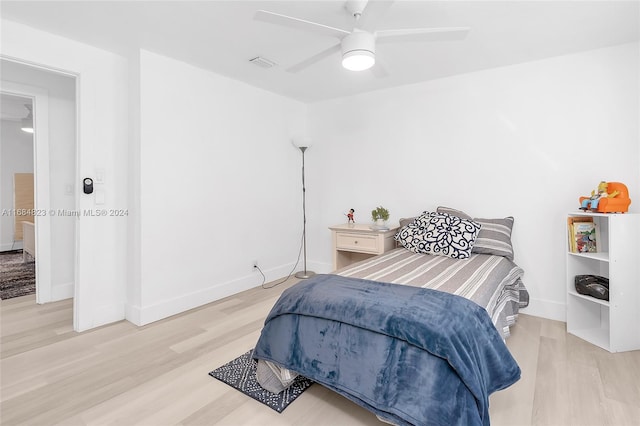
11,246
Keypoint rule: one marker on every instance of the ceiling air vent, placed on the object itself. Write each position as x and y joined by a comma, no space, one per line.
262,62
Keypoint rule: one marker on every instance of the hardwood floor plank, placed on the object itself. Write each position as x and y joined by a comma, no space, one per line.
582,395
217,409
549,404
620,414
31,339
163,387
20,302
514,405
19,368
620,374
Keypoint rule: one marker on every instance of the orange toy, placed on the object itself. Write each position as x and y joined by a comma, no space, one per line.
614,199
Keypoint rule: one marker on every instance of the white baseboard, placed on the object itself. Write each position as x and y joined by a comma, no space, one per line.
132,314
11,246
142,315
546,309
320,267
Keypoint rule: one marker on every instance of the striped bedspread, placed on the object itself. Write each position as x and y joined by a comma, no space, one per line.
493,282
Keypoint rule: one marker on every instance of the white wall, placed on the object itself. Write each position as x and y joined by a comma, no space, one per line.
525,140
219,187
62,164
16,156
102,138
219,182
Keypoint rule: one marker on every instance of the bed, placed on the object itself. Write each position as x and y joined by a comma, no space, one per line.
493,282
415,335
28,240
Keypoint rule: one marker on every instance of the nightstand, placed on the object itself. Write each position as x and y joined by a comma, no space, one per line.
355,242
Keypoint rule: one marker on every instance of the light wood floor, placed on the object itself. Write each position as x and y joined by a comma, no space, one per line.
157,375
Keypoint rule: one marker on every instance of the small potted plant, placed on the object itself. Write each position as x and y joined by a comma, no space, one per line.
380,215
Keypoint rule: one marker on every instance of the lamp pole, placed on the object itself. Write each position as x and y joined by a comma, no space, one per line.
304,274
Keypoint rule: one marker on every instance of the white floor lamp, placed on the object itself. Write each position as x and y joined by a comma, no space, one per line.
303,145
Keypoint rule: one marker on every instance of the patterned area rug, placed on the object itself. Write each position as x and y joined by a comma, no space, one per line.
241,375
16,278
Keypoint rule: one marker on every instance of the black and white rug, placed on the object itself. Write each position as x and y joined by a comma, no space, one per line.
240,374
16,278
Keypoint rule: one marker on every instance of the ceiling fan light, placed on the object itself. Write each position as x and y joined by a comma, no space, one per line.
26,124
358,51
358,60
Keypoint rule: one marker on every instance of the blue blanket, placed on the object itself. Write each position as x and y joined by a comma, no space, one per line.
413,356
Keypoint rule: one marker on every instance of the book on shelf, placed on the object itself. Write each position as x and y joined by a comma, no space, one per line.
583,235
570,230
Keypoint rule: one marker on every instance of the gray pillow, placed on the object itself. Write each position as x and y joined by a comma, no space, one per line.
404,221
494,236
453,212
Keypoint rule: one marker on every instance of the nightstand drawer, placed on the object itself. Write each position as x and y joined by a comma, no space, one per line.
355,242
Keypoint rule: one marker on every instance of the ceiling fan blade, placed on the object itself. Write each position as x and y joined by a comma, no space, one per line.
422,34
372,13
315,58
299,24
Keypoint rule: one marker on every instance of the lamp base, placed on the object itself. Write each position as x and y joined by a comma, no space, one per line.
304,274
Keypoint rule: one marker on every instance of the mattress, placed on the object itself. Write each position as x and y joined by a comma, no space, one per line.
493,282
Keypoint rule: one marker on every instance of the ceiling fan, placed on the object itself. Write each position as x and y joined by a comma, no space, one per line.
358,46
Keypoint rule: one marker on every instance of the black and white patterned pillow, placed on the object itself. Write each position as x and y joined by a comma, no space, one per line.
440,234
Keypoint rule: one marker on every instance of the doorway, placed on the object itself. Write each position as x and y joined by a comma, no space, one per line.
17,267
53,98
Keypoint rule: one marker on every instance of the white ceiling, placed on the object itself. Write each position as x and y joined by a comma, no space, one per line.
222,36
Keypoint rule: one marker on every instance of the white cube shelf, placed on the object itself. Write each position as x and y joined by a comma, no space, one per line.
613,325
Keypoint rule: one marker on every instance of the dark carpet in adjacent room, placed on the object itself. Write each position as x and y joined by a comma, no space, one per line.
240,374
16,278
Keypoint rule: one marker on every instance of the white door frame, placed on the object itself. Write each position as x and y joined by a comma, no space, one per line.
43,190
42,198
